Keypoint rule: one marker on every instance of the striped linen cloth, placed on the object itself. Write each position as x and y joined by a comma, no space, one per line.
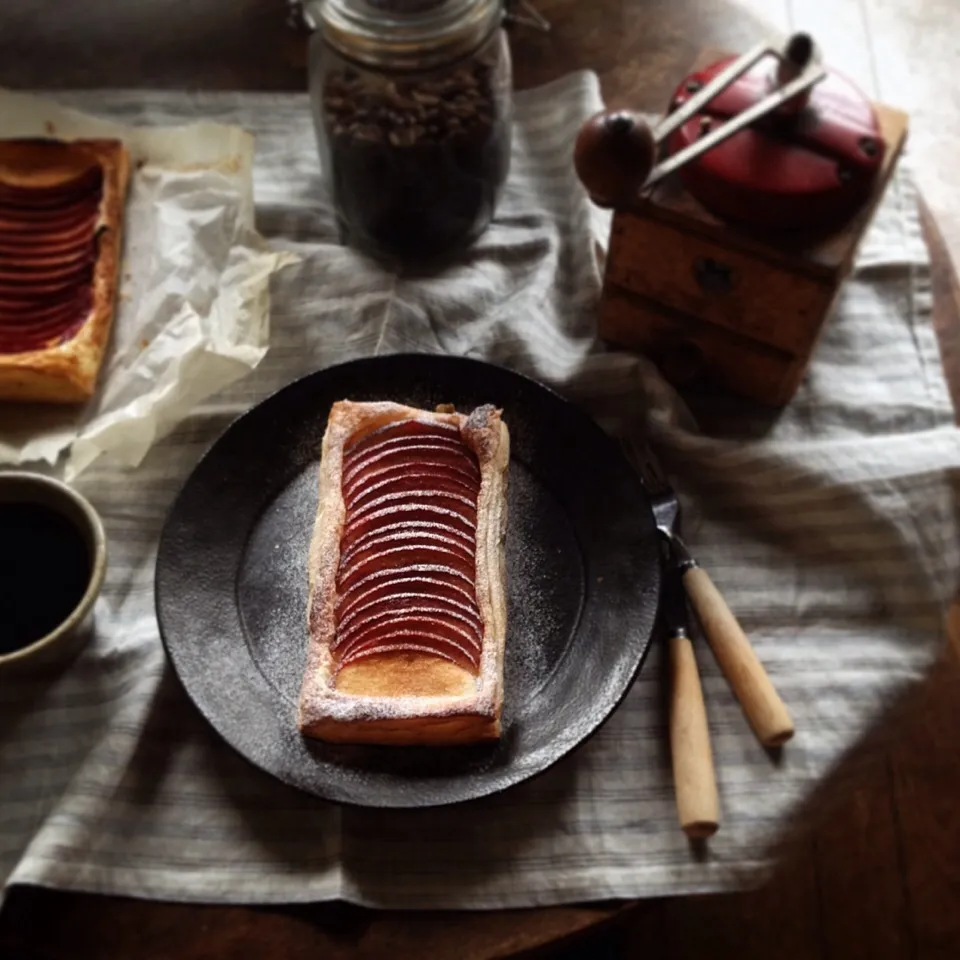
831,528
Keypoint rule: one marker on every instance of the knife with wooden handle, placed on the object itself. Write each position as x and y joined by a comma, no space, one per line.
694,777
760,701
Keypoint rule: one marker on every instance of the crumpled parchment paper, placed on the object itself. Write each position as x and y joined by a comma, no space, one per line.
192,313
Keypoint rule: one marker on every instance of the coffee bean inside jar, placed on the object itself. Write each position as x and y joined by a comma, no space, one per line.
415,159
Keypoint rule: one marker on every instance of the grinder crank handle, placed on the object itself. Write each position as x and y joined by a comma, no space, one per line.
739,662
615,154
694,778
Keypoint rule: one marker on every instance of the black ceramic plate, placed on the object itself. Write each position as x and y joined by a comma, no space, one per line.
582,567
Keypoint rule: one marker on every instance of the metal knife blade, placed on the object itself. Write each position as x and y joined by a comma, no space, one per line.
675,613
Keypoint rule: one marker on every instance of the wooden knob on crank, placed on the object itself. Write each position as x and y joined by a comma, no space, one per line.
613,156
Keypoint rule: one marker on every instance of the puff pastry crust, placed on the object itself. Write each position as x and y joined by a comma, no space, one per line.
408,694
66,369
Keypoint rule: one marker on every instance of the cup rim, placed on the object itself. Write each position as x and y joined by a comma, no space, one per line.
97,573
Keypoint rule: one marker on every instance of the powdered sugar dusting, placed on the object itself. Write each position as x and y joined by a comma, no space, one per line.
545,587
272,588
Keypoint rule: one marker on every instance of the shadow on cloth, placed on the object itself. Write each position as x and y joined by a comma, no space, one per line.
261,819
293,832
480,839
32,682
867,857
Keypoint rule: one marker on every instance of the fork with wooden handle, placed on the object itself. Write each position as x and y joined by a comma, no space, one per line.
761,703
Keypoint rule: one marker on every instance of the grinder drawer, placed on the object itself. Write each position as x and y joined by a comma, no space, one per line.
730,288
690,352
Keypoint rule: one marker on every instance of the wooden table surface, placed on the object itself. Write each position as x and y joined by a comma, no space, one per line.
871,867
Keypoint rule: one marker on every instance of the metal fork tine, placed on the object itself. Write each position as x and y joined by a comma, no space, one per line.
631,451
653,469
663,499
642,458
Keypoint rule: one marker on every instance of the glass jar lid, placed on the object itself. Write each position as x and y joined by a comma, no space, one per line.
406,34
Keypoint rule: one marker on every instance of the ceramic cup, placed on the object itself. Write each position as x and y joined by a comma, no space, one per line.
64,639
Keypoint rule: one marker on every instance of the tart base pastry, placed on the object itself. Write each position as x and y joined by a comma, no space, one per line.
407,608
61,218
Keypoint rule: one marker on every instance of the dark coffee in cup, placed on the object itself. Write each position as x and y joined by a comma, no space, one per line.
46,565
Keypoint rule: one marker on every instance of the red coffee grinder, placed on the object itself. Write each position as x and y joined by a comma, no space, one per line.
736,219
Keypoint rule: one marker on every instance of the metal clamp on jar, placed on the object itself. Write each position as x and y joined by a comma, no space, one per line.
412,106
